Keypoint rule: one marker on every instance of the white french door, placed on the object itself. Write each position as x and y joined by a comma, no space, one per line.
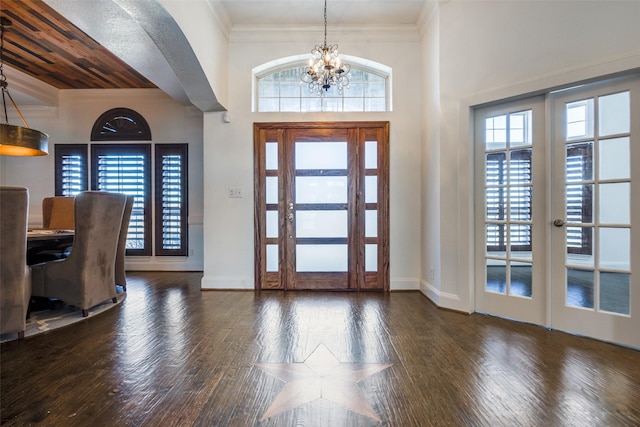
558,210
596,211
510,155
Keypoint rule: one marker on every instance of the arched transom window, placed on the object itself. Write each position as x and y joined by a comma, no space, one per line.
278,88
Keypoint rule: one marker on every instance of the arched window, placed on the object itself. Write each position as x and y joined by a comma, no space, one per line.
278,88
121,124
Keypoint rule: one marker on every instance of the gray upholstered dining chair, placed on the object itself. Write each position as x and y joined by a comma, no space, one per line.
15,285
86,277
121,274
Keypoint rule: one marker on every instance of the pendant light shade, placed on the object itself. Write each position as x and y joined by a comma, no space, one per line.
17,140
21,141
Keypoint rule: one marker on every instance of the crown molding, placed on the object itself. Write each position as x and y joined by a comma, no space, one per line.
221,16
426,15
311,34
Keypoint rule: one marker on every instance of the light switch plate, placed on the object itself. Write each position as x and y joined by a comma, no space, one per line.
235,192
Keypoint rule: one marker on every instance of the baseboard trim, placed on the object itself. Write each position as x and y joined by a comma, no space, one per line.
443,300
231,283
404,284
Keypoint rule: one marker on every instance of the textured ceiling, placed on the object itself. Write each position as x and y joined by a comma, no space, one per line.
43,44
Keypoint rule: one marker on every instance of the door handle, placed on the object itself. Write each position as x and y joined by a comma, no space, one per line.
559,223
290,217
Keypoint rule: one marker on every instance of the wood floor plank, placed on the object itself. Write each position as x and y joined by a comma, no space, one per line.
173,355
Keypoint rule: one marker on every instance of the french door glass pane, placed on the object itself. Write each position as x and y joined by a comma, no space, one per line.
579,246
321,258
520,237
614,159
495,203
520,130
520,167
321,189
325,155
520,203
579,119
496,132
579,203
613,114
614,248
614,203
579,163
495,168
321,223
615,292
497,276
496,239
580,288
521,279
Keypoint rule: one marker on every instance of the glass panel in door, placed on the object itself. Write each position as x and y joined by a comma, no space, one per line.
319,210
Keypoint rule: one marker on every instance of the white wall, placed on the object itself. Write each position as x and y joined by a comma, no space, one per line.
228,154
494,50
71,123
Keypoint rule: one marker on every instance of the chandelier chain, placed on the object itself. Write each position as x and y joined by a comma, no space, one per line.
325,22
3,78
325,68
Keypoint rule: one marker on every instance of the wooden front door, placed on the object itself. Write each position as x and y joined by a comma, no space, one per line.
321,205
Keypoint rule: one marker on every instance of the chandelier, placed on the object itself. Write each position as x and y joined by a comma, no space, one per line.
17,140
325,68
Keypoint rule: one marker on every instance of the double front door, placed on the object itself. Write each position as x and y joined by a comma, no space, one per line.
321,205
558,210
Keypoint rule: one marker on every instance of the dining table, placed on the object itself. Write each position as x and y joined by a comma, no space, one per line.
49,241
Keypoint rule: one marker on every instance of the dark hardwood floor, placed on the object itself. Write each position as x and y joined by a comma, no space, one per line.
171,355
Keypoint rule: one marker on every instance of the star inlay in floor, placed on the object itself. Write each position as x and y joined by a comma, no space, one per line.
322,376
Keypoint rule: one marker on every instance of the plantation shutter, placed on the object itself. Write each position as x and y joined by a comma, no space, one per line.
71,169
579,197
503,192
125,169
171,199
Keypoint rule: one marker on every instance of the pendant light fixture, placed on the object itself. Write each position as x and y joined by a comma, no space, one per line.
17,140
325,68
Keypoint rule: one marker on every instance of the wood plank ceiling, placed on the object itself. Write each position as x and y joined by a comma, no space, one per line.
43,44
